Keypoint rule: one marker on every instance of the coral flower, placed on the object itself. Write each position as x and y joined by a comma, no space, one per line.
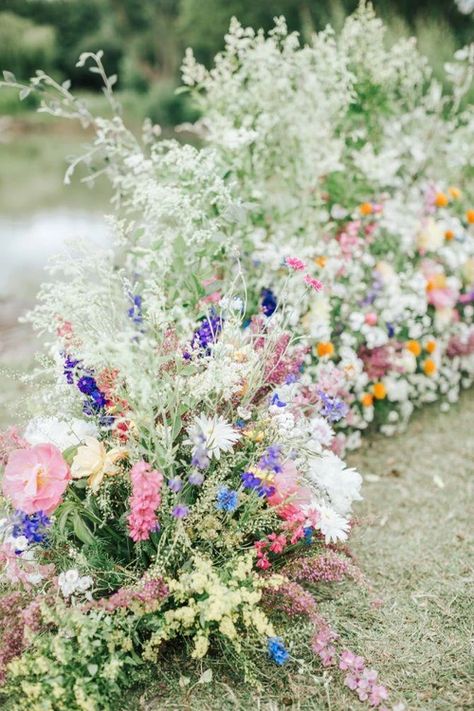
325,348
366,208
379,390
454,192
35,478
367,400
470,216
441,200
414,347
429,367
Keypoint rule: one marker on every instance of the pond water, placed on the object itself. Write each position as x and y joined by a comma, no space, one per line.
28,241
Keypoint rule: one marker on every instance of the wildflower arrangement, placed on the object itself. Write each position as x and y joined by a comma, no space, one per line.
266,297
177,469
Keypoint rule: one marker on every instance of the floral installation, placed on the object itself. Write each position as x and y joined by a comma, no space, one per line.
305,274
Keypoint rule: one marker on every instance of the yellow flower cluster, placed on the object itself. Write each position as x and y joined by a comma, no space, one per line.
214,600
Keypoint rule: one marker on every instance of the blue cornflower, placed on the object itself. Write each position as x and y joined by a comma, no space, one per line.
31,526
227,499
268,302
277,650
135,311
308,535
333,409
390,330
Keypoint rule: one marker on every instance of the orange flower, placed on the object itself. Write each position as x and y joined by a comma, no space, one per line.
367,399
414,347
366,209
470,216
438,281
430,346
379,390
449,235
320,261
454,192
325,348
441,200
429,366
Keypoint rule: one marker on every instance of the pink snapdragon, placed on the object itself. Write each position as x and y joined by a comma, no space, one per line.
145,500
36,478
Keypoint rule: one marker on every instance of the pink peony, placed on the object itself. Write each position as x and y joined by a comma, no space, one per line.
35,478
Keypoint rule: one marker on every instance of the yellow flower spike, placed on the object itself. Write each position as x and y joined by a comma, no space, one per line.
441,200
414,347
259,437
454,192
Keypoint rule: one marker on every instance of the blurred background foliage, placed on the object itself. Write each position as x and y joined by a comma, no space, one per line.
144,40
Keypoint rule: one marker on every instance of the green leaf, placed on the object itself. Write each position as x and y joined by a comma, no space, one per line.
81,530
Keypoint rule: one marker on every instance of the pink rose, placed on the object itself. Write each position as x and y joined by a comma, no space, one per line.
35,478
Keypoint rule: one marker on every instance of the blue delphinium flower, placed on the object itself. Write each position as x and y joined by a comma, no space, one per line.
275,400
227,499
333,409
268,302
250,481
207,333
271,459
32,526
135,311
277,651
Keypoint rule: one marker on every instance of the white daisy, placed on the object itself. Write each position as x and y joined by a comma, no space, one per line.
334,527
340,484
214,434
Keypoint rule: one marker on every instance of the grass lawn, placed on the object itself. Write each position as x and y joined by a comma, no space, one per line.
415,545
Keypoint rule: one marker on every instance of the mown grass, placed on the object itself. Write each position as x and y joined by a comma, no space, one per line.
414,544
